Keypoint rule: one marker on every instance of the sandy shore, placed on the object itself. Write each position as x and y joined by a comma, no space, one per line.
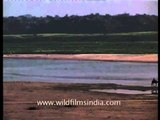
20,103
103,57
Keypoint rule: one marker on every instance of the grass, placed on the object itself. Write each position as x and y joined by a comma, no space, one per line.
118,43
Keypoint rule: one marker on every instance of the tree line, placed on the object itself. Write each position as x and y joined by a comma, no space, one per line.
93,23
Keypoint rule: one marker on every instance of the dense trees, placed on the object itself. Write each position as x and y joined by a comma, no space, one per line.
93,23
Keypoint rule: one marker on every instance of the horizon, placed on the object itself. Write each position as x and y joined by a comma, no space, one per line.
79,7
80,15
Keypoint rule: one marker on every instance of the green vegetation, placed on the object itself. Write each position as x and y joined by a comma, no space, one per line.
93,23
118,43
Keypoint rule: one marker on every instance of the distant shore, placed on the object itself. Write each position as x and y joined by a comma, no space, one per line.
101,57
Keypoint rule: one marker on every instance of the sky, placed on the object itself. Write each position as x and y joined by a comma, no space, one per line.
78,7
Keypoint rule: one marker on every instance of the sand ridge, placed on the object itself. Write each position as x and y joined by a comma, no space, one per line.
102,57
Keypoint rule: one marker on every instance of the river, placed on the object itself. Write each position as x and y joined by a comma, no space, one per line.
76,71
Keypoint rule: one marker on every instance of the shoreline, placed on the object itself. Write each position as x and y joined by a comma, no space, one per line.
87,85
94,57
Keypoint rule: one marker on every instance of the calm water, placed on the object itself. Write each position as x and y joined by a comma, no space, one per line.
74,71
122,91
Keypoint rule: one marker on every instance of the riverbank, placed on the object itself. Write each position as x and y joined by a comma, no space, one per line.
57,43
102,57
20,102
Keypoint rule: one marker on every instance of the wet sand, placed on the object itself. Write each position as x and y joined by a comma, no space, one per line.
103,57
20,102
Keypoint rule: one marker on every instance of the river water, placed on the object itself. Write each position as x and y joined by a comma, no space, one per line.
76,71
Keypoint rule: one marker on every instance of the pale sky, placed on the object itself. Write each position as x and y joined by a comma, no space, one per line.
78,7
